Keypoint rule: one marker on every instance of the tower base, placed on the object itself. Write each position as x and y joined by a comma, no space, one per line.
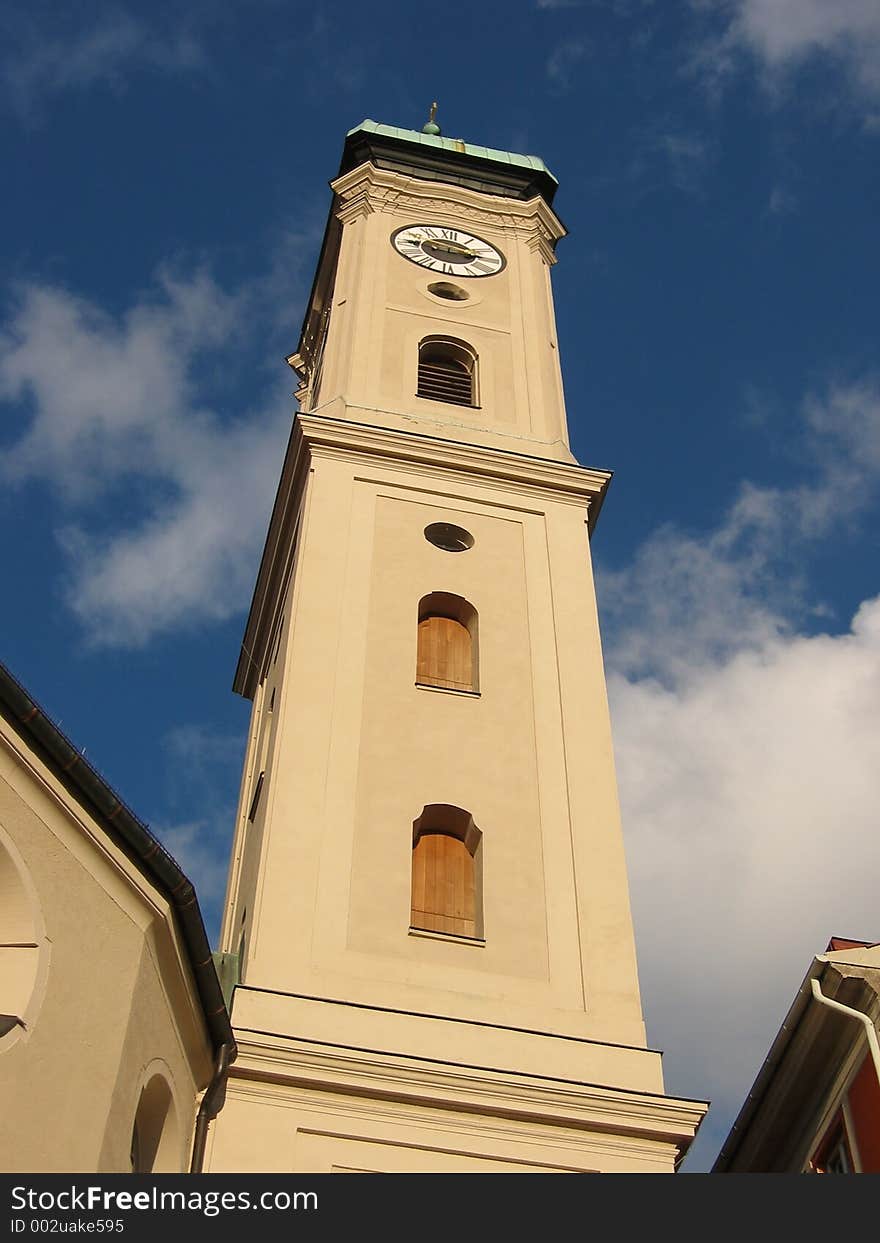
361,1089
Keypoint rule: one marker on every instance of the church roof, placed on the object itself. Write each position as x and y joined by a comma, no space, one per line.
454,144
436,157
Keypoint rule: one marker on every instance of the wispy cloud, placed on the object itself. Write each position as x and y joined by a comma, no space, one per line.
563,62
199,761
688,600
116,416
781,36
666,154
746,745
106,52
781,202
202,854
686,156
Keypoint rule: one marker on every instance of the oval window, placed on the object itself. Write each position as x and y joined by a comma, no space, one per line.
446,289
449,537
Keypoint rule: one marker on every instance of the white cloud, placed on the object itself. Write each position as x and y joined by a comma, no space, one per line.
688,600
782,35
747,757
563,61
783,32
108,52
108,396
194,560
749,801
117,411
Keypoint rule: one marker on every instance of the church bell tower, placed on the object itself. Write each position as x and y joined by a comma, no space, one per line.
427,894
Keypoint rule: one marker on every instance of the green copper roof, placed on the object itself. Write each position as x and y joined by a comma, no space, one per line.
454,144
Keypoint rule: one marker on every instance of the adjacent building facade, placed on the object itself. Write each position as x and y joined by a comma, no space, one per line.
111,1015
815,1105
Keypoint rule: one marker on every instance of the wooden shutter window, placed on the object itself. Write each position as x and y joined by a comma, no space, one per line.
443,886
445,654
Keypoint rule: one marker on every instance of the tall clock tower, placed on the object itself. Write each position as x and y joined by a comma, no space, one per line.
427,897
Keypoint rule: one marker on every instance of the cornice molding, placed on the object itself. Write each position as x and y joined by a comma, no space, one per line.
276,1063
327,436
366,189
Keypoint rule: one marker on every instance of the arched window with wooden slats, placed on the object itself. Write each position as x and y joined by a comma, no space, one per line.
447,371
447,642
446,872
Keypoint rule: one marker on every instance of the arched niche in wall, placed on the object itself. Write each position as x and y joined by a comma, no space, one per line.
156,1133
24,949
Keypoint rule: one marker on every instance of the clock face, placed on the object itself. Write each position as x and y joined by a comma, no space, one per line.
451,252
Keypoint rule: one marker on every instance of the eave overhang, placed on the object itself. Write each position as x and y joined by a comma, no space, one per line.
452,160
801,1065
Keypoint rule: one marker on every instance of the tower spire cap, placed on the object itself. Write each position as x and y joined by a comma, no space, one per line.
431,126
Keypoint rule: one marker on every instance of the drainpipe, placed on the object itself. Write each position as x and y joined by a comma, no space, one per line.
870,1030
212,1103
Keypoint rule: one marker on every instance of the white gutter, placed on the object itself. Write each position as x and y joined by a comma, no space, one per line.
870,1030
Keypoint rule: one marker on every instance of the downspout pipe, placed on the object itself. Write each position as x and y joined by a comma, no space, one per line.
212,1103
859,1015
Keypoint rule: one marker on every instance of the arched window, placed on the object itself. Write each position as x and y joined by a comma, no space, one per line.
447,371
447,872
447,644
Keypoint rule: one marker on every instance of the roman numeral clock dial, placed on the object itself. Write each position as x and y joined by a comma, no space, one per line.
450,252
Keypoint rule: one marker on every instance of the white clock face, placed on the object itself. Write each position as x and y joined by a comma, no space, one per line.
451,252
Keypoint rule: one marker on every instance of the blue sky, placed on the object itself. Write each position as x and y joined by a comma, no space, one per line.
164,199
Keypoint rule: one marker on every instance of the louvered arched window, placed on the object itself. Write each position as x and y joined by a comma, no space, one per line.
446,872
447,643
447,371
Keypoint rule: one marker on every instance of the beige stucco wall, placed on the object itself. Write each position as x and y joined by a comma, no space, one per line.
114,1003
356,750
